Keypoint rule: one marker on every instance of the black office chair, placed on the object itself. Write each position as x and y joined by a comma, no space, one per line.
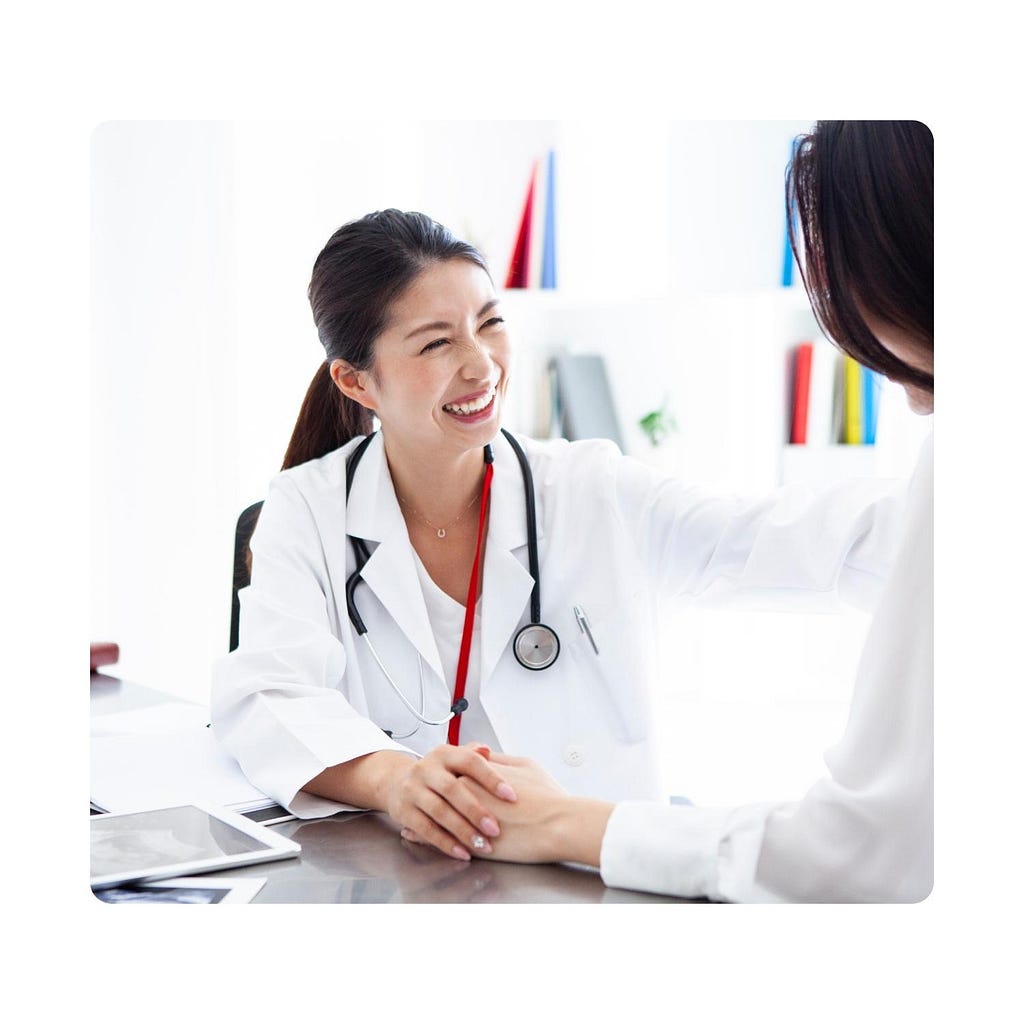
243,564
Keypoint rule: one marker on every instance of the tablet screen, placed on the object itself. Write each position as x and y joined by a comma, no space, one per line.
150,841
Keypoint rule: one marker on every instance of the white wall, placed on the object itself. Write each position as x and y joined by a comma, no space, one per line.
165,449
670,247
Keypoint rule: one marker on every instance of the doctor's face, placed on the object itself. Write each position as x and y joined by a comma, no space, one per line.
441,365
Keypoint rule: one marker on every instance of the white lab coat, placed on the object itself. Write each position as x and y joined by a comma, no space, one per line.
862,833
301,692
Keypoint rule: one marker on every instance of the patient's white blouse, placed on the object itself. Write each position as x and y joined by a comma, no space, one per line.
864,831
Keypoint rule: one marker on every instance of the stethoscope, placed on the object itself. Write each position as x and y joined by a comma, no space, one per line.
535,646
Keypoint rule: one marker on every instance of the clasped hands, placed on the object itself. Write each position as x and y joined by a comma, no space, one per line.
468,801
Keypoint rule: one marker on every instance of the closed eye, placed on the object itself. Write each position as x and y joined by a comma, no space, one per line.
434,344
494,320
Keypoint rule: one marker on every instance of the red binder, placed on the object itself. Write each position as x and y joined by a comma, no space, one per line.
519,268
801,393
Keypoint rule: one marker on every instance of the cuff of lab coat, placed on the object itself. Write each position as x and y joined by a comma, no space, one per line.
306,805
301,763
663,848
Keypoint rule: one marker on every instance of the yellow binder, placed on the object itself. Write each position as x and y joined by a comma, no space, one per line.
854,402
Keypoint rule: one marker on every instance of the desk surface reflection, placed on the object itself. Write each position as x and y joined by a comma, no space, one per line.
360,858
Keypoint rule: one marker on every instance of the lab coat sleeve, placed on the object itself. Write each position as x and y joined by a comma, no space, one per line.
275,704
864,831
797,549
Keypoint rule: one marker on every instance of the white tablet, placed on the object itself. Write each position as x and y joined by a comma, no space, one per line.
171,841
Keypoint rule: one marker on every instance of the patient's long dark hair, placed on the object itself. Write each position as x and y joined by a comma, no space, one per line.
863,193
365,266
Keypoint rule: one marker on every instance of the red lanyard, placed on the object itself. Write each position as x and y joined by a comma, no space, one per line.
467,624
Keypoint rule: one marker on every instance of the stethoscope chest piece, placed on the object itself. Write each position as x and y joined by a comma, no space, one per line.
536,646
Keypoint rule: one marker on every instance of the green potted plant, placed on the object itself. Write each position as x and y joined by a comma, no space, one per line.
658,426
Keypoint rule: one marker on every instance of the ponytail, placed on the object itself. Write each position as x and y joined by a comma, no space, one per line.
327,420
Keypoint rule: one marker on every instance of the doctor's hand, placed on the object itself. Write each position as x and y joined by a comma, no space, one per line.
437,799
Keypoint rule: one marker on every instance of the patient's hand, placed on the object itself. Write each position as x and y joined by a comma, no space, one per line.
545,823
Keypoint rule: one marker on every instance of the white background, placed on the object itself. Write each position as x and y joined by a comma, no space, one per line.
67,68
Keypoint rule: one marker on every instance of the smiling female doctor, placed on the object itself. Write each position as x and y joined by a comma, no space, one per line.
440,589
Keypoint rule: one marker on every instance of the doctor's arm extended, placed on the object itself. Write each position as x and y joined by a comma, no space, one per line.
797,548
277,708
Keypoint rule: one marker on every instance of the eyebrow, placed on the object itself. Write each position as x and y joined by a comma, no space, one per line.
441,325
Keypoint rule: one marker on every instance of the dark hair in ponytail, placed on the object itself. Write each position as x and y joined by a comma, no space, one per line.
365,266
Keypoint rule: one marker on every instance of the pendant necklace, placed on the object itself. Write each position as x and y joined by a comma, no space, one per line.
441,530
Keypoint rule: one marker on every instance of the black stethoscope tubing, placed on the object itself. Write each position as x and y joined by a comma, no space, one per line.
531,526
358,546
536,646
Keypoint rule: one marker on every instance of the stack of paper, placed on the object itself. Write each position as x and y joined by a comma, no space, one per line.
164,756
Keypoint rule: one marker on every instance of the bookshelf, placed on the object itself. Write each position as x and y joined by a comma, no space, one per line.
670,254
721,363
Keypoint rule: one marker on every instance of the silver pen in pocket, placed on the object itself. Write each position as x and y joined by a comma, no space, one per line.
581,621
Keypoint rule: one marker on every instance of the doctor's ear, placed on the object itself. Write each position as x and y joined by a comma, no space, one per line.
351,383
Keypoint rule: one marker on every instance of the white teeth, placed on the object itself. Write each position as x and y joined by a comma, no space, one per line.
465,409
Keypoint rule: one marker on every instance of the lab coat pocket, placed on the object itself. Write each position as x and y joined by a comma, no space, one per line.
613,672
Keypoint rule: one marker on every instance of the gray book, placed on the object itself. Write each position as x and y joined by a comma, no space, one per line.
584,406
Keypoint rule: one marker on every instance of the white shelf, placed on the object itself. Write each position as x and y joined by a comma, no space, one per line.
823,465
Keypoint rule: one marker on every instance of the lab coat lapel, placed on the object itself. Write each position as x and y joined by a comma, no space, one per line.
507,581
390,571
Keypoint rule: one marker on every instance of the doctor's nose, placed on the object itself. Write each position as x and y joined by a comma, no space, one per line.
478,360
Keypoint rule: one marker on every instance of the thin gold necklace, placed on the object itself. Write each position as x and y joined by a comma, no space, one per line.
441,530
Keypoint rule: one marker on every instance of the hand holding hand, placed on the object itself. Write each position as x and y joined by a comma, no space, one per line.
545,823
439,799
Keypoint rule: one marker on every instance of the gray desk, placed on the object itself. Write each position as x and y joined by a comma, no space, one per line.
359,858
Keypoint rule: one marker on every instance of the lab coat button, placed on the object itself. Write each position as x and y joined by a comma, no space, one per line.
573,755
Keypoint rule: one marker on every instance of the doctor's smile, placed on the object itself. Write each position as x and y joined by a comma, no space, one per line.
472,408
